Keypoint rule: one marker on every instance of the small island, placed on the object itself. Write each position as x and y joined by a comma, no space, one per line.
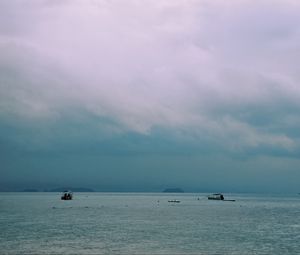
30,190
173,190
74,189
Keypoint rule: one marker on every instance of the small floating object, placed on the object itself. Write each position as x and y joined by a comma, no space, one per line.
219,196
174,201
67,195
229,200
216,196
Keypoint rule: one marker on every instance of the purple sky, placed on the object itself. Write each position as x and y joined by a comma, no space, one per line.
219,79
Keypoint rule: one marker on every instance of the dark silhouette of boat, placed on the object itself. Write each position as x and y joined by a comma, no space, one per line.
216,196
174,201
67,195
219,196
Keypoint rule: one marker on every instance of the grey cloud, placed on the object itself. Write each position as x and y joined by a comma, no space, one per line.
135,71
169,77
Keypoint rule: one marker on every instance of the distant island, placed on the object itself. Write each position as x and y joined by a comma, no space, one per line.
60,189
173,190
29,190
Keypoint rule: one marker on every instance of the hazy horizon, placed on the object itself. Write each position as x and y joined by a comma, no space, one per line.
148,95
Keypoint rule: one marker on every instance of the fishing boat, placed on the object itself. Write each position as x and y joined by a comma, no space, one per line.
67,195
174,201
216,196
219,196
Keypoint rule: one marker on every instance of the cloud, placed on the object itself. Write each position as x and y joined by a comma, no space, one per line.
222,71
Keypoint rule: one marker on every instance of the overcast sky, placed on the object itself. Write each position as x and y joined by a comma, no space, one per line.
144,95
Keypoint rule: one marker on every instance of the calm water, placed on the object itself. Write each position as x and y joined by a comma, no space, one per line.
104,223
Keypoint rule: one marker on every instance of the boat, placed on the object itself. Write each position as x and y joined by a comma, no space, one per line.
67,195
219,196
216,196
174,201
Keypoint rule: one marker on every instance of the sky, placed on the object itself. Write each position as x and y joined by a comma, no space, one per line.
143,95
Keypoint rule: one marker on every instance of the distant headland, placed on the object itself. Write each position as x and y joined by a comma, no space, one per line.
30,190
173,190
60,189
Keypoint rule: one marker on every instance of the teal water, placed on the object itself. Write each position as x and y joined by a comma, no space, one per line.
141,223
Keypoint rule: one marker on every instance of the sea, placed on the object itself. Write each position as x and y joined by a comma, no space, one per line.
146,223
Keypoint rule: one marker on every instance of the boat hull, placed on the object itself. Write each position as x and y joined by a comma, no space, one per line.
216,197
